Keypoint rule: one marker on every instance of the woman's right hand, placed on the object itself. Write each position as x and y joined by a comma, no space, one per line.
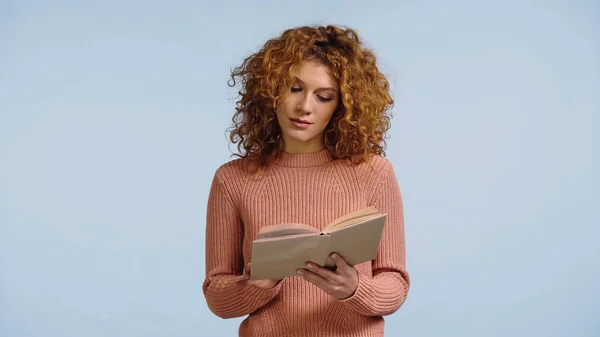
263,284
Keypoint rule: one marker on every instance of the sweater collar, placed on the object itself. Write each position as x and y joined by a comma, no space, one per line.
302,159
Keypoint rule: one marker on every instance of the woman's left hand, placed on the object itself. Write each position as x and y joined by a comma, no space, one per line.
341,283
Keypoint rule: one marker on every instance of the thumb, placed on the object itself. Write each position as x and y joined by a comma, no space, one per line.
247,271
246,275
339,261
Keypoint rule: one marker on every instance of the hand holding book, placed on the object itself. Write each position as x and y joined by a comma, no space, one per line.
263,283
340,283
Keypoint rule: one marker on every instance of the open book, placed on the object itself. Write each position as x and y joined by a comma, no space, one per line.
281,249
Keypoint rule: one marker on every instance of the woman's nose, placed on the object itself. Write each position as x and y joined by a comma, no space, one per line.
304,105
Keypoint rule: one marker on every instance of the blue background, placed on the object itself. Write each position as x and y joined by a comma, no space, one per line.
112,123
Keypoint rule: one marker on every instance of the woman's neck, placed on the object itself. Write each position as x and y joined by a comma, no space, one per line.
307,159
297,147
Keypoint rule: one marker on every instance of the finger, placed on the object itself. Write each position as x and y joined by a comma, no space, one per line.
314,278
247,273
339,261
321,271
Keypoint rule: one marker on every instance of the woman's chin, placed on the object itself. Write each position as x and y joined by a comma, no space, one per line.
300,136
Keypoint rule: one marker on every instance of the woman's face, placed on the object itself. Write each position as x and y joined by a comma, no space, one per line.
305,110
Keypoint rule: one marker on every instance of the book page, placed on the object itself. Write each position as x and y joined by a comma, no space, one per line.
285,230
352,218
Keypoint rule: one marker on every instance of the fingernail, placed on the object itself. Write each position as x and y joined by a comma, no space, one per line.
309,266
299,271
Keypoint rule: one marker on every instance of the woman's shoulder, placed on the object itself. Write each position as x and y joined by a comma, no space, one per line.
380,162
368,172
240,169
233,167
373,164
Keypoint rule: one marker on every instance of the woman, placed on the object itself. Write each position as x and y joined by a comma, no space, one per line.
310,127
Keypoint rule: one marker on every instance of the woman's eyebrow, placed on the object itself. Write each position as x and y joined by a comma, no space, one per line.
322,88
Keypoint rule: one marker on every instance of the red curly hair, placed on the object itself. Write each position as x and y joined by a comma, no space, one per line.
358,126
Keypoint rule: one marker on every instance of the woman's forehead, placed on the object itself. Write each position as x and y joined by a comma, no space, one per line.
315,74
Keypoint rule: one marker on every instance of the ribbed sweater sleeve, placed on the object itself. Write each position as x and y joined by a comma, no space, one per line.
386,291
226,293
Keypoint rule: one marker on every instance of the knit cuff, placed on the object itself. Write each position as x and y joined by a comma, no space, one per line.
376,296
360,296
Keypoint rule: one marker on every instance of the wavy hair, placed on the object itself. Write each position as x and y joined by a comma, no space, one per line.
359,124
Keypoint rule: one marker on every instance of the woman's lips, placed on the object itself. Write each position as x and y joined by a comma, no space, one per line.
299,123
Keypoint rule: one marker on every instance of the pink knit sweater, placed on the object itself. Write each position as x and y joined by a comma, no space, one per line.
313,189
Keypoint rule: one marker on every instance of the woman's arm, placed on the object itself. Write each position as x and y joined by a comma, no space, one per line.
386,291
227,292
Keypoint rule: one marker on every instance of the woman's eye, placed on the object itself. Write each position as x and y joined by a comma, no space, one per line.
324,99
294,89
